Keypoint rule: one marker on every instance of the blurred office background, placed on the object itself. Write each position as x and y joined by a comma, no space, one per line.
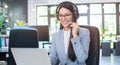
104,14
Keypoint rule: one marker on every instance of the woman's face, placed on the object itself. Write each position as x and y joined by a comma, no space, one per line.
65,17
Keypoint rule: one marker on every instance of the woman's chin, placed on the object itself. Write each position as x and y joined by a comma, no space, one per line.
65,25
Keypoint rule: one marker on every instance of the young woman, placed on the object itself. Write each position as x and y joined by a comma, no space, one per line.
70,45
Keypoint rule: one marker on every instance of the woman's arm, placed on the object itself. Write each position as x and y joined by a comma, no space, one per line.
81,45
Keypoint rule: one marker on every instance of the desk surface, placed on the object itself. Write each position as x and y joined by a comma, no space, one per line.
30,56
4,35
3,49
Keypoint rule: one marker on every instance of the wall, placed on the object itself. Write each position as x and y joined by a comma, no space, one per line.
32,4
49,2
31,12
17,11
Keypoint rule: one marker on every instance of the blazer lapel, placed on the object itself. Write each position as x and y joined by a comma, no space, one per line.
62,48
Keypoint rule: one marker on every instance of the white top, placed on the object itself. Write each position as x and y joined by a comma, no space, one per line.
66,40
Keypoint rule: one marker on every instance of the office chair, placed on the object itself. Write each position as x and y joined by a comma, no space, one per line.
22,38
94,48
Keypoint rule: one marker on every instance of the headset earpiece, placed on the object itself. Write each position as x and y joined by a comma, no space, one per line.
75,14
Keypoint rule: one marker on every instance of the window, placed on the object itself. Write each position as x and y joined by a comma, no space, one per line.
96,16
119,21
96,20
82,8
53,10
119,24
82,20
109,8
42,15
109,21
95,9
119,8
102,16
83,11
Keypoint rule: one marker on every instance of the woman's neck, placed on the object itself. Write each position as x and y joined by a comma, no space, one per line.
66,28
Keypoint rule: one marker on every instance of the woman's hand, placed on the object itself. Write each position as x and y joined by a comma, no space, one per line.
75,28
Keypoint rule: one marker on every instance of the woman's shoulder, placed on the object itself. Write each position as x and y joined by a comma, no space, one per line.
83,29
57,33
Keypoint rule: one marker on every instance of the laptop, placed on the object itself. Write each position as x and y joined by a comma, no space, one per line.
30,56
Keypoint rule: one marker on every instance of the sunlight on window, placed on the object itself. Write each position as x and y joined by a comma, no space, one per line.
109,8
119,23
82,20
110,24
96,20
95,9
42,10
42,15
42,21
119,7
53,10
82,8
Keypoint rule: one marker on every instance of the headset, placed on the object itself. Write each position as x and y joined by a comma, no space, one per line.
74,7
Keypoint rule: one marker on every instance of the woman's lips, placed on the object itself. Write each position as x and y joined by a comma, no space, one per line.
66,22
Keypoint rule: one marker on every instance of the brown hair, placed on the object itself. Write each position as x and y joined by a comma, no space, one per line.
73,8
70,6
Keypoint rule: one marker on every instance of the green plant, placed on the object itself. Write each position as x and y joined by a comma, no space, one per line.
1,21
1,24
103,33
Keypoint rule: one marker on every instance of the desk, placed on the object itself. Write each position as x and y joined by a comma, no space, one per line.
3,47
3,52
117,48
